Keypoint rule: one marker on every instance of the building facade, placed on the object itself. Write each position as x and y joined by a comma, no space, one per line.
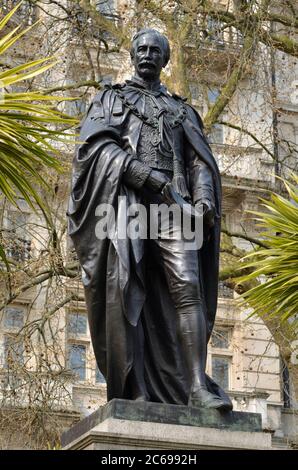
45,348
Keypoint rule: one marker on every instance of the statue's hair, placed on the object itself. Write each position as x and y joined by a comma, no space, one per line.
162,39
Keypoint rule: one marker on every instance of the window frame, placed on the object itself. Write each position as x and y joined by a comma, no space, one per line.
72,336
86,345
12,332
83,339
229,361
225,353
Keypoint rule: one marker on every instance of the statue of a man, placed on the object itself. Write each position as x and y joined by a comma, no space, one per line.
151,302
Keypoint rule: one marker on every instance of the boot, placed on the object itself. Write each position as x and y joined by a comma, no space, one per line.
192,325
202,398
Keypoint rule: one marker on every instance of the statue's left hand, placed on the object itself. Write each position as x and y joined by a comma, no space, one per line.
208,213
170,195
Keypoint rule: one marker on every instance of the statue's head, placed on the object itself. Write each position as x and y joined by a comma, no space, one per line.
150,52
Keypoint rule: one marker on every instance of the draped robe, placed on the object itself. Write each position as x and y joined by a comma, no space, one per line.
122,299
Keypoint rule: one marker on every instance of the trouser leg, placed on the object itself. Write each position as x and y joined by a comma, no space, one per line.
182,273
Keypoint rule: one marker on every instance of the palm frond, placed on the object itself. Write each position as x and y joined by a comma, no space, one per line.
29,124
276,267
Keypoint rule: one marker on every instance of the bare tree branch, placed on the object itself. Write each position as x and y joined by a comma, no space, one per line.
245,131
253,240
73,86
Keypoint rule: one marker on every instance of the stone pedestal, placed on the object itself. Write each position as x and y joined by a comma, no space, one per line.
125,424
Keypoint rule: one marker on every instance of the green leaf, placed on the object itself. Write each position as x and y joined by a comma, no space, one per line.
9,15
277,295
26,141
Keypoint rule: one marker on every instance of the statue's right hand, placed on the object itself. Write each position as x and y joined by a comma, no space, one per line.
156,181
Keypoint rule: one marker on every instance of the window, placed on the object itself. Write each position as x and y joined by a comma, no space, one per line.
106,7
221,338
220,371
13,317
13,361
77,360
196,95
85,24
78,344
213,94
12,345
80,356
26,11
216,135
214,31
13,351
221,355
17,235
99,378
77,324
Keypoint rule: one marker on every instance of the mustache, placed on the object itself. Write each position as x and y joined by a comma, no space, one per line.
146,62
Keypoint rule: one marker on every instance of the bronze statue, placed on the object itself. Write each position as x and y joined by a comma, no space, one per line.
151,303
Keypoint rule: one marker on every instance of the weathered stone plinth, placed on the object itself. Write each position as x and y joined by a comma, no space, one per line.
124,424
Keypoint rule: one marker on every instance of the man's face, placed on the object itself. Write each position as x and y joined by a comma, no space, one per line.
148,57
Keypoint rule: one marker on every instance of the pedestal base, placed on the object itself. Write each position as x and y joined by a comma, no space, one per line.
125,424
